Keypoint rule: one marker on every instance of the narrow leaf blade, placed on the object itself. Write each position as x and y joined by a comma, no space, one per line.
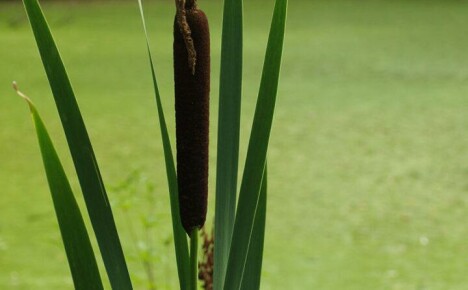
75,238
228,135
81,150
257,150
180,237
253,266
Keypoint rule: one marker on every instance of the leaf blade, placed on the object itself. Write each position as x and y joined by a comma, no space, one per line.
228,135
80,255
81,150
253,266
180,237
257,149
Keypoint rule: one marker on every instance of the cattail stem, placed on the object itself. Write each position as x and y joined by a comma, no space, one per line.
192,88
193,259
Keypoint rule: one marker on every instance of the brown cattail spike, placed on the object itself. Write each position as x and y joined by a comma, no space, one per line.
192,87
190,4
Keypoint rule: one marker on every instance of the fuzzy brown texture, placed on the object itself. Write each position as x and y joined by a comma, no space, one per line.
206,265
192,120
190,4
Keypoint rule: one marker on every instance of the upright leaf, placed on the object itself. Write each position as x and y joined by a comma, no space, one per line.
228,135
75,238
257,150
81,150
180,237
253,266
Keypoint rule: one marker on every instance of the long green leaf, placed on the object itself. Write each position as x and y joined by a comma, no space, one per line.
228,135
180,237
253,266
257,150
75,238
81,150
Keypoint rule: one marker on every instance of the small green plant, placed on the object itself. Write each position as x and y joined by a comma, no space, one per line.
134,192
236,259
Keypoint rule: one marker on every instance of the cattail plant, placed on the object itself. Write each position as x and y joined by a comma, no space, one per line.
192,102
236,260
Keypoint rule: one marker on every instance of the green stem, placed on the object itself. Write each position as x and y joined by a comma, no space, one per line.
193,259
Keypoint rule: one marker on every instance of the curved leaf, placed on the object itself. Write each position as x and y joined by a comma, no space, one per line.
81,150
75,238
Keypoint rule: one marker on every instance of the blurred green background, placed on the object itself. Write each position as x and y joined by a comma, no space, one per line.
368,157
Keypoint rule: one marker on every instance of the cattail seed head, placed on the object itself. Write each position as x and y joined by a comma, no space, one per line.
190,4
192,87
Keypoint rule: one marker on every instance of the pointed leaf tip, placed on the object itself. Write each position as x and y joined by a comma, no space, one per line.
22,95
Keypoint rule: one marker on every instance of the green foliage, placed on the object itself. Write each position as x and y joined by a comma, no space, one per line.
75,238
367,145
135,199
251,212
253,264
81,150
257,151
180,239
230,90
